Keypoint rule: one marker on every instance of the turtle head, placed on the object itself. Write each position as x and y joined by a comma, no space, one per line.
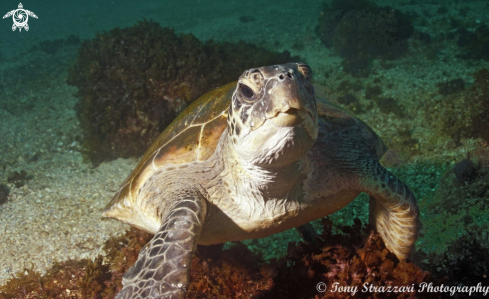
273,119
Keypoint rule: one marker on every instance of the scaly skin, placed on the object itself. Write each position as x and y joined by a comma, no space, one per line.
162,268
393,208
393,211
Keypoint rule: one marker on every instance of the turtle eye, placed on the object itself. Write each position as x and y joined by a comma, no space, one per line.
246,91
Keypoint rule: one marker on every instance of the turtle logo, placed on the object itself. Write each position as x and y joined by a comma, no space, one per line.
20,17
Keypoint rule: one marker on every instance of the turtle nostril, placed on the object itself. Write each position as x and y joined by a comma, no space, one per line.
289,75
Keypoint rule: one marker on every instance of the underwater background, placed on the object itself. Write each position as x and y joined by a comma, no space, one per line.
416,71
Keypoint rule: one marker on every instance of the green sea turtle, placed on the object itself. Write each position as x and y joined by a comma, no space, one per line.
247,160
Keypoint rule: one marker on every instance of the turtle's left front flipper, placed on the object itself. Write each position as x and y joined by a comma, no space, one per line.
393,209
162,268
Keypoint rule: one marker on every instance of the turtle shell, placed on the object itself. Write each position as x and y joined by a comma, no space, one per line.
192,136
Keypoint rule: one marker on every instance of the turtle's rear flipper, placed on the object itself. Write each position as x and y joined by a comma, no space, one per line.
162,268
14,27
393,210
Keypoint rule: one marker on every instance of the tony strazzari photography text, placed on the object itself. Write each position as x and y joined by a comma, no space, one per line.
423,287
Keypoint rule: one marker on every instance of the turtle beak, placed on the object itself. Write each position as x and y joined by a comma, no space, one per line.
291,96
292,105
291,117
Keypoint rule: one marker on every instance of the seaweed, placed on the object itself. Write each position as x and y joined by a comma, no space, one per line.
346,86
347,99
466,172
463,114
475,45
451,87
389,105
359,31
372,91
236,274
133,82
351,258
464,186
4,192
464,263
19,179
442,10
356,257
97,279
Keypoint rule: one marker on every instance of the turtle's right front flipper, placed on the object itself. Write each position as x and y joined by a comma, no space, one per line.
393,209
162,268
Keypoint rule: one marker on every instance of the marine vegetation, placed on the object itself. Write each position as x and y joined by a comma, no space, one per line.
19,179
95,279
465,188
451,87
475,45
462,114
359,31
463,200
4,192
133,82
350,258
464,263
457,205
